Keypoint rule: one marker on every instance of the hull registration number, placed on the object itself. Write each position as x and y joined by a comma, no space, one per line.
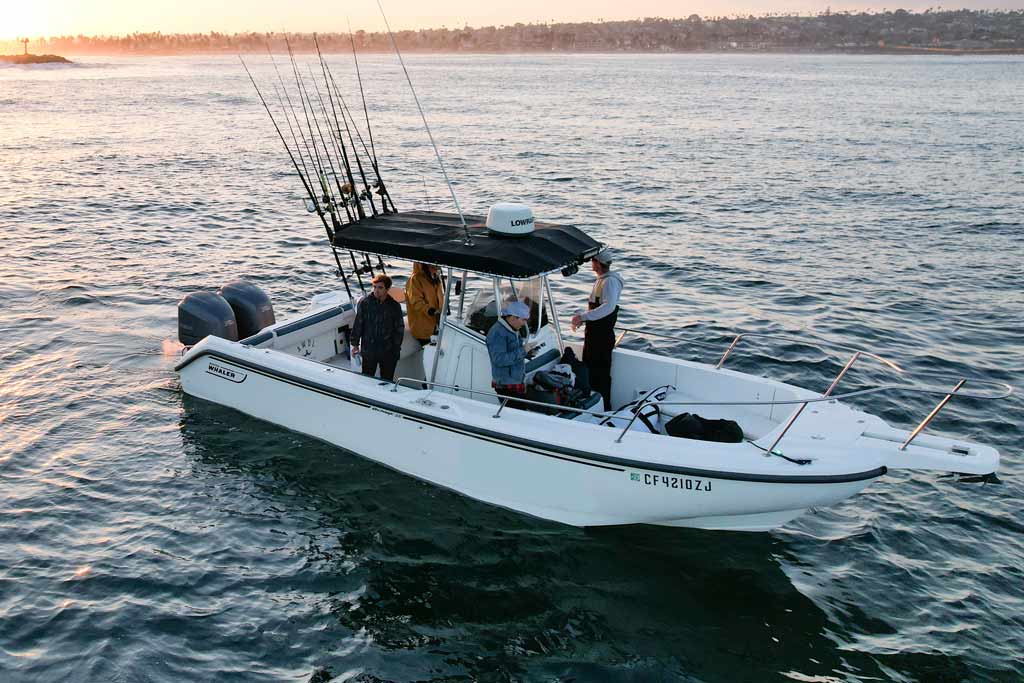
670,482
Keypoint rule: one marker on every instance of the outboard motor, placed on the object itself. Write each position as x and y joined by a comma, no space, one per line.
251,305
201,314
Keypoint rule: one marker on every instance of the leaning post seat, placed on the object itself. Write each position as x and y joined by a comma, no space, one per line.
541,362
591,403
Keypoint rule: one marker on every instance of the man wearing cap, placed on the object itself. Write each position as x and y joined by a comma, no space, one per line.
505,348
600,316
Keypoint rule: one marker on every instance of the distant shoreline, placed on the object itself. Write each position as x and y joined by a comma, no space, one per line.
894,50
942,32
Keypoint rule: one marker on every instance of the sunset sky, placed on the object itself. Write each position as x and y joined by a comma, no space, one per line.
94,17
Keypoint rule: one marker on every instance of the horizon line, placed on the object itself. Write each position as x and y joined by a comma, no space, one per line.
735,16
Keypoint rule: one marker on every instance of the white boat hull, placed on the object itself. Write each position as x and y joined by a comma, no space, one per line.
295,375
446,441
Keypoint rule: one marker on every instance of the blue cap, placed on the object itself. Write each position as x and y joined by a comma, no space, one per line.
516,308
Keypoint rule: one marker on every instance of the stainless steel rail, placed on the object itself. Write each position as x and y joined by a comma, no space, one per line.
894,388
503,401
835,382
791,402
1006,389
745,335
935,411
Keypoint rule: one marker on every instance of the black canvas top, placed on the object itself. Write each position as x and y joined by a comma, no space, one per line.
438,238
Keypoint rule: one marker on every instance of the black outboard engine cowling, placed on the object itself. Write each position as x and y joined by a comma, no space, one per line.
204,313
251,305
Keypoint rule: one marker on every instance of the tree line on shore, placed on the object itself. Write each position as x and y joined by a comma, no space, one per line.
963,30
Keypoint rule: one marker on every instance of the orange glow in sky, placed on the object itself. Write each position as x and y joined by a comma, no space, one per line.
35,18
19,19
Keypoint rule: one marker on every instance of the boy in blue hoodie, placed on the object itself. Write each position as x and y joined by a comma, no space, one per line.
505,348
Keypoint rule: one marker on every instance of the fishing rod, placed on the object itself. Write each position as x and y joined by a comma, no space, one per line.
352,258
368,265
367,193
369,132
335,140
346,110
381,189
348,165
339,140
307,105
327,152
359,77
287,119
309,153
360,214
341,189
305,183
328,82
462,218
303,98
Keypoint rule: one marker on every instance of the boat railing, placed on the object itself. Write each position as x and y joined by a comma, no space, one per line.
749,335
651,397
947,395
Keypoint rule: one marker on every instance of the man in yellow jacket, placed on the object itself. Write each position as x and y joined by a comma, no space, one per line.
424,294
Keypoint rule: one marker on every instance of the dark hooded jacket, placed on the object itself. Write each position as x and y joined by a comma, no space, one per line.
378,328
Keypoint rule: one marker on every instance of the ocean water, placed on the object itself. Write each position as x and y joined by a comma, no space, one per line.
147,536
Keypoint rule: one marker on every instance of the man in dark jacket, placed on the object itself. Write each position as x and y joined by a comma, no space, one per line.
379,329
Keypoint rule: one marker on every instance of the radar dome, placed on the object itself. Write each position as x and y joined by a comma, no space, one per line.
510,219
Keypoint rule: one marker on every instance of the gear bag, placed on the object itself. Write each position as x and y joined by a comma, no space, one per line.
579,369
690,426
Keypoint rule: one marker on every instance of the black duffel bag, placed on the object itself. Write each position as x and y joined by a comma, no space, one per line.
581,371
690,426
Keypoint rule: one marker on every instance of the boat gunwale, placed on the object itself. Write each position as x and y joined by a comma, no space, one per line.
548,450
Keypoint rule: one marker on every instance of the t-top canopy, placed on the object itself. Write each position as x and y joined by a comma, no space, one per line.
438,238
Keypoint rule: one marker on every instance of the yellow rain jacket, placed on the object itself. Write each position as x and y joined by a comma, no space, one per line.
423,297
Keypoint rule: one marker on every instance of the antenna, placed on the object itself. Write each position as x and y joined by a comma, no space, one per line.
469,240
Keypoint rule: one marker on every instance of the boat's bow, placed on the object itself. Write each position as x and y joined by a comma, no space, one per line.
927,452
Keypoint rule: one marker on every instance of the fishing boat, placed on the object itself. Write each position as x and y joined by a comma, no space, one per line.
440,420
